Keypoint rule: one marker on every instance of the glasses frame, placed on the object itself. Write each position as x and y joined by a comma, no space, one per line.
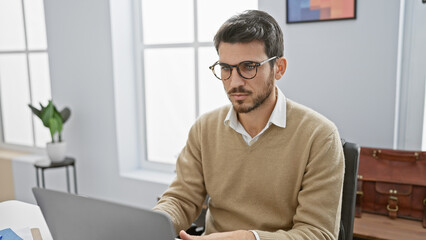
237,66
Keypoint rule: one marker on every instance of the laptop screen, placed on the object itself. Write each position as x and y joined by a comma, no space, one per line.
71,217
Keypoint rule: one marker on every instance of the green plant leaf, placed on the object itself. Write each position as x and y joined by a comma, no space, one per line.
47,114
52,118
60,125
35,111
54,125
65,114
43,113
58,119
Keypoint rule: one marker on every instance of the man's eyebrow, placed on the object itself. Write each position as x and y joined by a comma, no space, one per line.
250,61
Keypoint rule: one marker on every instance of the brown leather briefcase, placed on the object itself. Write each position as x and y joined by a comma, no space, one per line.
393,183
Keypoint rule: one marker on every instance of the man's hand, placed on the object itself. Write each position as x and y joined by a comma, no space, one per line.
235,235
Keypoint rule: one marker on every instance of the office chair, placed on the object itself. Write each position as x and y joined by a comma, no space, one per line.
351,152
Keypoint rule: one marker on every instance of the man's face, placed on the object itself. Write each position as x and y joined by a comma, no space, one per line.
247,94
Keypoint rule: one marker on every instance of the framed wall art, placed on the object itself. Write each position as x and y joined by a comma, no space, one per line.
299,11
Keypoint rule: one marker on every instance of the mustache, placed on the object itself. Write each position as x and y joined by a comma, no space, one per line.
240,89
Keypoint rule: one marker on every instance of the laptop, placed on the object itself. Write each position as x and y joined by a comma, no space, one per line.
71,217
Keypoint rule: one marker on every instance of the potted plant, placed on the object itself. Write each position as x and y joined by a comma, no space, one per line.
54,120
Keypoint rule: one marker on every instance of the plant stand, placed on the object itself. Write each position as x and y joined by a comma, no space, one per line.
43,165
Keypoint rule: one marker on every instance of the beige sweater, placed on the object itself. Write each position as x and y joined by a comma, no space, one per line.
287,185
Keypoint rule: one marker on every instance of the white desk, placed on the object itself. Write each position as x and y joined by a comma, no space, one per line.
17,215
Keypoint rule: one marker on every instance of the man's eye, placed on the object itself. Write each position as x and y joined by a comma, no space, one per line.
249,66
225,67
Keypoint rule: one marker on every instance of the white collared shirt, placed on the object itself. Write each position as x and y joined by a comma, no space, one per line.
278,118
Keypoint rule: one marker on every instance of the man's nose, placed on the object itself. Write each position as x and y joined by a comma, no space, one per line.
235,80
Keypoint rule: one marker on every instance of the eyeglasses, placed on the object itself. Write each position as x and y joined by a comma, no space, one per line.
246,69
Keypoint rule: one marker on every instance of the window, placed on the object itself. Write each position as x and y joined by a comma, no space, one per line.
176,48
24,71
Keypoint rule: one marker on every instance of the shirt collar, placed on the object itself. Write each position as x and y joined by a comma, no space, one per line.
278,116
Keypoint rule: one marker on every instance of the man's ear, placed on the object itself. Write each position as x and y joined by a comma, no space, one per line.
281,67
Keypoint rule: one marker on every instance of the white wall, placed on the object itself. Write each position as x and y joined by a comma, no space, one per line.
346,69
343,69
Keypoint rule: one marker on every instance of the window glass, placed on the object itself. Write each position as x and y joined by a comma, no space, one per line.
178,84
40,93
211,15
167,21
11,26
35,24
24,71
170,101
16,117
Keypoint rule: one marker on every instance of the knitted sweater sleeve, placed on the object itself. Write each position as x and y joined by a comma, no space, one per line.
318,213
183,200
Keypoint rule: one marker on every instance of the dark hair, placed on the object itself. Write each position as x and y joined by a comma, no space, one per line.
249,26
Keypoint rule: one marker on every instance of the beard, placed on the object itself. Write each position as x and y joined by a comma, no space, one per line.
258,99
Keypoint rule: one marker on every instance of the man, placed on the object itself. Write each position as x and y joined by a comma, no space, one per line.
273,169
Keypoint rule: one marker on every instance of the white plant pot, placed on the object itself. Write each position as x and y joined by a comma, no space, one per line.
56,151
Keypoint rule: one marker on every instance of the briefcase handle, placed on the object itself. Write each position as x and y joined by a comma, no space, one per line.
396,156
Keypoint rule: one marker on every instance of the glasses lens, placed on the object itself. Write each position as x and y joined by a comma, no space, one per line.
247,69
222,71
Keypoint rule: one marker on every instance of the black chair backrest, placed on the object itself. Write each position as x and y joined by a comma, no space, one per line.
351,152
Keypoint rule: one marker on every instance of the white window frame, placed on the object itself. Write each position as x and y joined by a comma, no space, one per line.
34,148
411,81
139,60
